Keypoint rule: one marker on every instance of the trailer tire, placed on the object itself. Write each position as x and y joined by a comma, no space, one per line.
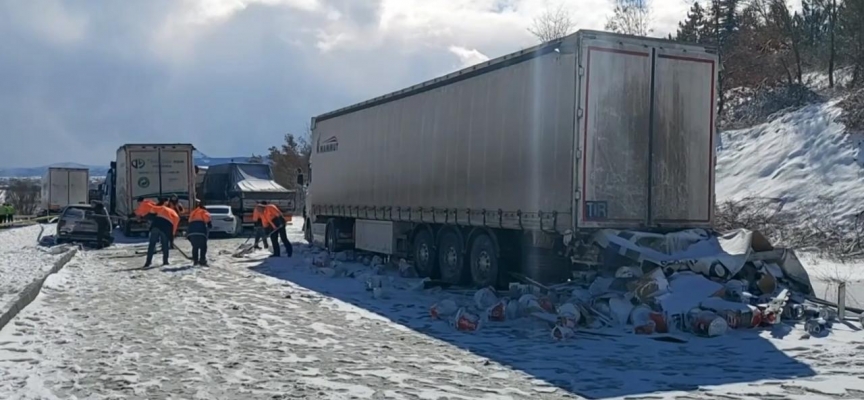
451,258
424,254
484,261
331,237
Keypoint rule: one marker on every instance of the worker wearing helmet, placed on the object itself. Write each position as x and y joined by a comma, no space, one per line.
275,221
200,224
164,222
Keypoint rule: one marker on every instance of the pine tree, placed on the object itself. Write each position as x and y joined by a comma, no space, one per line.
691,29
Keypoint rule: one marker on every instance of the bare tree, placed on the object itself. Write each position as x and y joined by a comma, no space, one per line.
290,159
23,195
630,17
552,24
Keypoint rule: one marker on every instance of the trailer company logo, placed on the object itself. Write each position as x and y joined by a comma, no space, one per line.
137,163
143,182
328,145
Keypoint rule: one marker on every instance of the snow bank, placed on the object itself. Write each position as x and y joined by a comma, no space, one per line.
22,261
798,157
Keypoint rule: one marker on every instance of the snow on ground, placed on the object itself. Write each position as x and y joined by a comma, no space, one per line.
22,261
798,156
270,329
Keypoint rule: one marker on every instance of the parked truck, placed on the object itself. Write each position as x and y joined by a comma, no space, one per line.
243,185
150,171
512,164
63,186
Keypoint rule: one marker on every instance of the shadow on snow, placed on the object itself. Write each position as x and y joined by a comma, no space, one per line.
589,366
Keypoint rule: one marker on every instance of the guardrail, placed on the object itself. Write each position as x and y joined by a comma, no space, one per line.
25,220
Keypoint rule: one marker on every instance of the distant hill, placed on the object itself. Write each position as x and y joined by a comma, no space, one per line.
102,170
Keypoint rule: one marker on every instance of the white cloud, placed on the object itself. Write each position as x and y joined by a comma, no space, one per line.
468,57
232,76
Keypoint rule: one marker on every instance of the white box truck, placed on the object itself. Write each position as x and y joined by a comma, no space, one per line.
150,171
62,186
511,164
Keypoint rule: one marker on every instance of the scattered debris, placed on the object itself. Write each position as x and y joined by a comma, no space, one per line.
662,286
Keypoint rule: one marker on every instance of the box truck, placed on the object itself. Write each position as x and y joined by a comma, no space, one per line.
512,164
64,186
150,171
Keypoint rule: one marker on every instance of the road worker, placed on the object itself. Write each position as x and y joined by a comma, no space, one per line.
275,221
164,222
174,204
197,232
10,213
260,232
143,208
4,212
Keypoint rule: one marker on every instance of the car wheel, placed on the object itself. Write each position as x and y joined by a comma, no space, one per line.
451,258
424,254
238,228
484,262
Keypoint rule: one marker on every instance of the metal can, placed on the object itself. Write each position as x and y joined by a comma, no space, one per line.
706,323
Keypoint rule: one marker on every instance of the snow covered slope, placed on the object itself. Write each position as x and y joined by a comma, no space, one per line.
799,156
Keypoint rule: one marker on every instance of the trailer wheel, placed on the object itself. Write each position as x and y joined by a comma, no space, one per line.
484,262
424,253
451,258
331,236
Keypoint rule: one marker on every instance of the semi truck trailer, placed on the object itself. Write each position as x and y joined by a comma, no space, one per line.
62,186
150,171
513,164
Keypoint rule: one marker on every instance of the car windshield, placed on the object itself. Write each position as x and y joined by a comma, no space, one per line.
75,213
218,210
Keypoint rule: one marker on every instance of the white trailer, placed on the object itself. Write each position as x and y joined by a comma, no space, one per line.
150,171
63,186
492,167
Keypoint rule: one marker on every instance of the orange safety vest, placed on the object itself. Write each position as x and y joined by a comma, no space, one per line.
144,208
256,212
199,214
199,221
270,213
168,214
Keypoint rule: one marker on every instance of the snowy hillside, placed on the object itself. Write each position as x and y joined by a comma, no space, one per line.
799,157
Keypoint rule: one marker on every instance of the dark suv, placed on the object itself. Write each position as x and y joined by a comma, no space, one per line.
81,222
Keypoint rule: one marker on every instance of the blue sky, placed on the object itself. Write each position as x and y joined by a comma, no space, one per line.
78,78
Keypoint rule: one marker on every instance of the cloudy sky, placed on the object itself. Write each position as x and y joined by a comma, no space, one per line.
78,78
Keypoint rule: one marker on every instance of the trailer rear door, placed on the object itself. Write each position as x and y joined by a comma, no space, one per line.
644,134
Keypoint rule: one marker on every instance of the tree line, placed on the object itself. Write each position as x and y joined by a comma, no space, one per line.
760,42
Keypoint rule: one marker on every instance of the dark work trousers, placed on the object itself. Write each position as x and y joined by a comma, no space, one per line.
157,236
199,249
280,233
260,236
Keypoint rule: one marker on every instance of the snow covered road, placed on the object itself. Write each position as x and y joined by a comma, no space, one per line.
275,329
22,261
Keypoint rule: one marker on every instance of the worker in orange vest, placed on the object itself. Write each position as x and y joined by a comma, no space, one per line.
143,207
174,204
275,221
164,222
200,224
260,231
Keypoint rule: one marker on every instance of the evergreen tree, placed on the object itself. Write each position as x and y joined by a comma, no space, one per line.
691,29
